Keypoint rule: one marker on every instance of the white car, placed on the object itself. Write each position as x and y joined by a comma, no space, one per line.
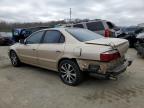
102,27
72,52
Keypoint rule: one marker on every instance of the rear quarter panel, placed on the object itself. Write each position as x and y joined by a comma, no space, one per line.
85,51
92,52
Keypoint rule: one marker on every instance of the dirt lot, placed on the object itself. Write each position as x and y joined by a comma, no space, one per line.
31,87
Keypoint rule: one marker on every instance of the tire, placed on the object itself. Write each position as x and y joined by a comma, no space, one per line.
70,73
14,59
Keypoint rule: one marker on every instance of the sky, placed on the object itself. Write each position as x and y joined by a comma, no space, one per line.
120,12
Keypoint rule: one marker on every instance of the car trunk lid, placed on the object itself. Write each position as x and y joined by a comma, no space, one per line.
121,45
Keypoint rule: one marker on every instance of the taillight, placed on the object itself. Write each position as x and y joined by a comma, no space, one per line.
109,56
107,33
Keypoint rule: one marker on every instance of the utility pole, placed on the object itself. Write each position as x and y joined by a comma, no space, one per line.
70,14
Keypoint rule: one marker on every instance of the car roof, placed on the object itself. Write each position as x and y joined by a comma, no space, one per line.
59,29
98,20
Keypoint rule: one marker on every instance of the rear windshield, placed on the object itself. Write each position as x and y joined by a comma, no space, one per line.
83,34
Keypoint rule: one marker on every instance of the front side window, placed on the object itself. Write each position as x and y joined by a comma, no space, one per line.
95,26
53,36
35,38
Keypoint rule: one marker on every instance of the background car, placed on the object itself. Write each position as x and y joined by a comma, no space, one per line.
5,39
102,27
22,33
130,34
72,52
140,44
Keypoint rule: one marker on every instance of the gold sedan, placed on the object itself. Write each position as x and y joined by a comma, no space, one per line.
72,52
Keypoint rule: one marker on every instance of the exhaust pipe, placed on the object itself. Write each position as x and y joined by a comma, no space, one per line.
111,77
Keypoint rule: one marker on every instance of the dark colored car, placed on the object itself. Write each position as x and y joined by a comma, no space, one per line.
140,44
22,33
5,39
130,34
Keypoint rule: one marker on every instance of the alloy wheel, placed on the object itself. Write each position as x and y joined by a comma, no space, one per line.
68,73
13,58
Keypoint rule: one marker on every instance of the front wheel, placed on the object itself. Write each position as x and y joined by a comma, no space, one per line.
70,73
14,59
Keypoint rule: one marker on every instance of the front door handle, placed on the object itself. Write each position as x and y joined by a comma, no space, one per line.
33,49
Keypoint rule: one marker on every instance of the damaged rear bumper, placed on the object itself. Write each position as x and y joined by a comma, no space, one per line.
95,70
120,69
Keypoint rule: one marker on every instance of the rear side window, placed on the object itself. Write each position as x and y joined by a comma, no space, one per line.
78,26
95,26
53,36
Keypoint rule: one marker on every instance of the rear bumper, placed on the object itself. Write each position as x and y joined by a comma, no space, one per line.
120,69
95,71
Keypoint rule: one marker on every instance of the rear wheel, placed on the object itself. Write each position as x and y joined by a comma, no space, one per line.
70,73
14,59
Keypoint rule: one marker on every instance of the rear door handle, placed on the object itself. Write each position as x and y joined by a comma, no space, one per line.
33,49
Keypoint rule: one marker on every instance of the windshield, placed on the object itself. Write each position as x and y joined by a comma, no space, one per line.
83,34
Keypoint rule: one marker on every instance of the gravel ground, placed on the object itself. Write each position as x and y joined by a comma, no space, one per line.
31,87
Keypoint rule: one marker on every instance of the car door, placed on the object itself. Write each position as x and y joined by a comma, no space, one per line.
51,49
28,51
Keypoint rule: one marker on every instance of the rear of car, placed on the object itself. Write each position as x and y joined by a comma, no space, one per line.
101,56
104,28
111,55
